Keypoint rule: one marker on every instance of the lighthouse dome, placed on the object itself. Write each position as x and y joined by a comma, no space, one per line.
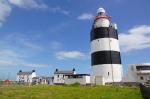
100,10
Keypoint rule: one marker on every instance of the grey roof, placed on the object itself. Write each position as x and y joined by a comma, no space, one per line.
42,77
35,78
64,72
24,73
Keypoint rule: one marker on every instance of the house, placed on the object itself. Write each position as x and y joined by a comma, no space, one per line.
43,80
81,78
25,76
138,73
59,76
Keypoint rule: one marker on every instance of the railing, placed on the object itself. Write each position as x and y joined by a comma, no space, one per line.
143,72
145,90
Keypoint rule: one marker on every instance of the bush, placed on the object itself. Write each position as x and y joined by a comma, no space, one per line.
76,84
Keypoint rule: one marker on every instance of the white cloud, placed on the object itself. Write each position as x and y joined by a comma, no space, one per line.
136,38
14,52
19,63
55,45
6,7
28,4
7,63
70,55
29,44
20,40
5,10
8,54
58,9
36,65
11,57
86,16
58,27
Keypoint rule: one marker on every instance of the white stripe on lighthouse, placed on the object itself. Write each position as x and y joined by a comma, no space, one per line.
105,44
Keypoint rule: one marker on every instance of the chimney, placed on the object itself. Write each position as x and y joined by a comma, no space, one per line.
20,70
73,69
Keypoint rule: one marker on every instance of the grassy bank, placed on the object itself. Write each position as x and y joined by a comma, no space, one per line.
69,92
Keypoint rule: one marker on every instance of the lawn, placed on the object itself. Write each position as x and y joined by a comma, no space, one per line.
69,92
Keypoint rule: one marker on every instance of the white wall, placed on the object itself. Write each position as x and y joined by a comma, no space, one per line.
31,76
27,78
59,79
102,22
84,80
111,72
105,44
99,80
134,76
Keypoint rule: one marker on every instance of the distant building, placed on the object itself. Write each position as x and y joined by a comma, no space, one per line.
59,76
43,80
80,78
138,73
25,76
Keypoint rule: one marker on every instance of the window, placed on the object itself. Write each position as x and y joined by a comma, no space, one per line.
57,76
57,79
63,76
142,68
141,78
108,73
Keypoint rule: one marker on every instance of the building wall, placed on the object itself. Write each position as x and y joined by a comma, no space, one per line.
135,76
26,78
84,80
31,76
88,79
111,72
59,78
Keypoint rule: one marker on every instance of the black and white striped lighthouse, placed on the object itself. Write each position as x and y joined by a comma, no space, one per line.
105,51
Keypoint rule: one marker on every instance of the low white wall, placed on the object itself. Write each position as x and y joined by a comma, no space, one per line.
84,80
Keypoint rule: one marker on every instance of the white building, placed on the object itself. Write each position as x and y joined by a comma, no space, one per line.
80,78
43,80
59,76
138,73
25,76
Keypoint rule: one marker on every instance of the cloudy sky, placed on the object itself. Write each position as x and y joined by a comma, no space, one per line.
43,35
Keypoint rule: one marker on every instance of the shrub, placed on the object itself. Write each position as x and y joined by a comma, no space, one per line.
76,84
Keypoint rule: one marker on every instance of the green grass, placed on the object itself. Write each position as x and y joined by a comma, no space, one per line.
69,92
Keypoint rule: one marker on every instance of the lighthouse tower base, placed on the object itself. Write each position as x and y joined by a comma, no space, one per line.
110,72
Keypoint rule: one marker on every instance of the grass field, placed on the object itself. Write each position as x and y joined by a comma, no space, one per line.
69,92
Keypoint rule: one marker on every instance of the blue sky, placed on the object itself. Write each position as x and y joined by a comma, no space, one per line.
47,34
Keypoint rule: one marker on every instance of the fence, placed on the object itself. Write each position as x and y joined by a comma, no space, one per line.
2,83
145,90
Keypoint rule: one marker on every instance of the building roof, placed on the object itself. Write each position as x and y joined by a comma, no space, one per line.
141,64
42,77
24,73
64,72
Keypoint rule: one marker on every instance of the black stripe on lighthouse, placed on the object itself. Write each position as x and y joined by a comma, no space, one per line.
104,32
105,57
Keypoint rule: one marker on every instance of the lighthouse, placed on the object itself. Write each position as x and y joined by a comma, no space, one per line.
105,51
